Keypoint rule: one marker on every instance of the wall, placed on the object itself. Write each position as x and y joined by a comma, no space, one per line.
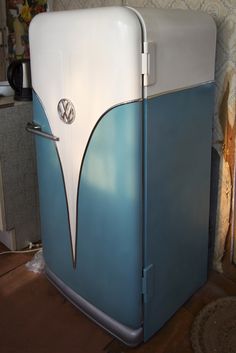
224,13
19,15
2,48
59,5
18,175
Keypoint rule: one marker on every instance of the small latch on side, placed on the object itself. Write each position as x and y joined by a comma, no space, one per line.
148,283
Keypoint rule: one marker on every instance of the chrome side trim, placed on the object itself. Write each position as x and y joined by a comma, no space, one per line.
131,337
181,89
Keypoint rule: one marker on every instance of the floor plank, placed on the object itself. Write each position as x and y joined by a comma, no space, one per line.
36,318
174,337
167,340
9,262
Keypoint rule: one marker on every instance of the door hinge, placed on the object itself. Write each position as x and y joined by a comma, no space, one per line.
148,283
149,63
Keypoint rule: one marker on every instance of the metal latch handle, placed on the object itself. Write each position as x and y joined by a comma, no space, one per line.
37,130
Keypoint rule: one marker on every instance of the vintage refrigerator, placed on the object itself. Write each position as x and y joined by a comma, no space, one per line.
123,110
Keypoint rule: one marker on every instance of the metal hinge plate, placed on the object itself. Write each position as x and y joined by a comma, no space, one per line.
149,63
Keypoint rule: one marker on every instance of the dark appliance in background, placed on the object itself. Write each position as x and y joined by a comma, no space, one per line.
19,78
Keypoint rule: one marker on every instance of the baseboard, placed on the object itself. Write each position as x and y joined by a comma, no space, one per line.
8,238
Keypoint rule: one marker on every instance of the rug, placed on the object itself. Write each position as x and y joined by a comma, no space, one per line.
214,329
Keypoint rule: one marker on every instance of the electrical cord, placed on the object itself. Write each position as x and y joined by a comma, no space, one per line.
37,248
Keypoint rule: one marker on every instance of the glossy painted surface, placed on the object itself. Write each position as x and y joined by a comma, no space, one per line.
109,238
72,59
177,188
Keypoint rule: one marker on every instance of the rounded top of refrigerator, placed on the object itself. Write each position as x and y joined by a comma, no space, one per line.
94,53
180,47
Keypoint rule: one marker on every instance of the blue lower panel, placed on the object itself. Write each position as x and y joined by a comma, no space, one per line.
176,170
110,216
178,147
109,240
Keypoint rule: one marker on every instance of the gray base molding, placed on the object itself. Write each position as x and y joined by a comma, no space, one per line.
131,337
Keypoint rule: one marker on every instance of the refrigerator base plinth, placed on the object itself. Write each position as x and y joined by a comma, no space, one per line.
129,336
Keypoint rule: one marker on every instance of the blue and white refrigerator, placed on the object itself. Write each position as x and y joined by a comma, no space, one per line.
123,110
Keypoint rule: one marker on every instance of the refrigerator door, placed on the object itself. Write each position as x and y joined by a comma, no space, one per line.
86,74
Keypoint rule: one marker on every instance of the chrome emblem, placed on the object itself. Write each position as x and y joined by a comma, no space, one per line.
66,111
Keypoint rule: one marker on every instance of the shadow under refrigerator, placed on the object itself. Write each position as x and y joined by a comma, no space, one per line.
123,110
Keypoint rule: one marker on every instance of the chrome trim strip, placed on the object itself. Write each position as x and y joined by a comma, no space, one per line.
118,105
129,336
181,89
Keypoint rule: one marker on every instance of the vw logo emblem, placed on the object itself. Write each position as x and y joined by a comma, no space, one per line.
66,111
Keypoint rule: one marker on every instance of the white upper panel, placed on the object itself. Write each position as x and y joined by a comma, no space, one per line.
184,42
91,57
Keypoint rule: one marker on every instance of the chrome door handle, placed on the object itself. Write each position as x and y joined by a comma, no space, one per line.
37,130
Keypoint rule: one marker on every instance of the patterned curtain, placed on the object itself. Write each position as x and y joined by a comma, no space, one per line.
19,14
224,130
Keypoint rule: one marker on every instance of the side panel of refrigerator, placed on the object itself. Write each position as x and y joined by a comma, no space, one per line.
178,158
107,272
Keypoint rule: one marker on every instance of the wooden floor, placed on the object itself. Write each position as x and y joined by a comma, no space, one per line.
36,318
